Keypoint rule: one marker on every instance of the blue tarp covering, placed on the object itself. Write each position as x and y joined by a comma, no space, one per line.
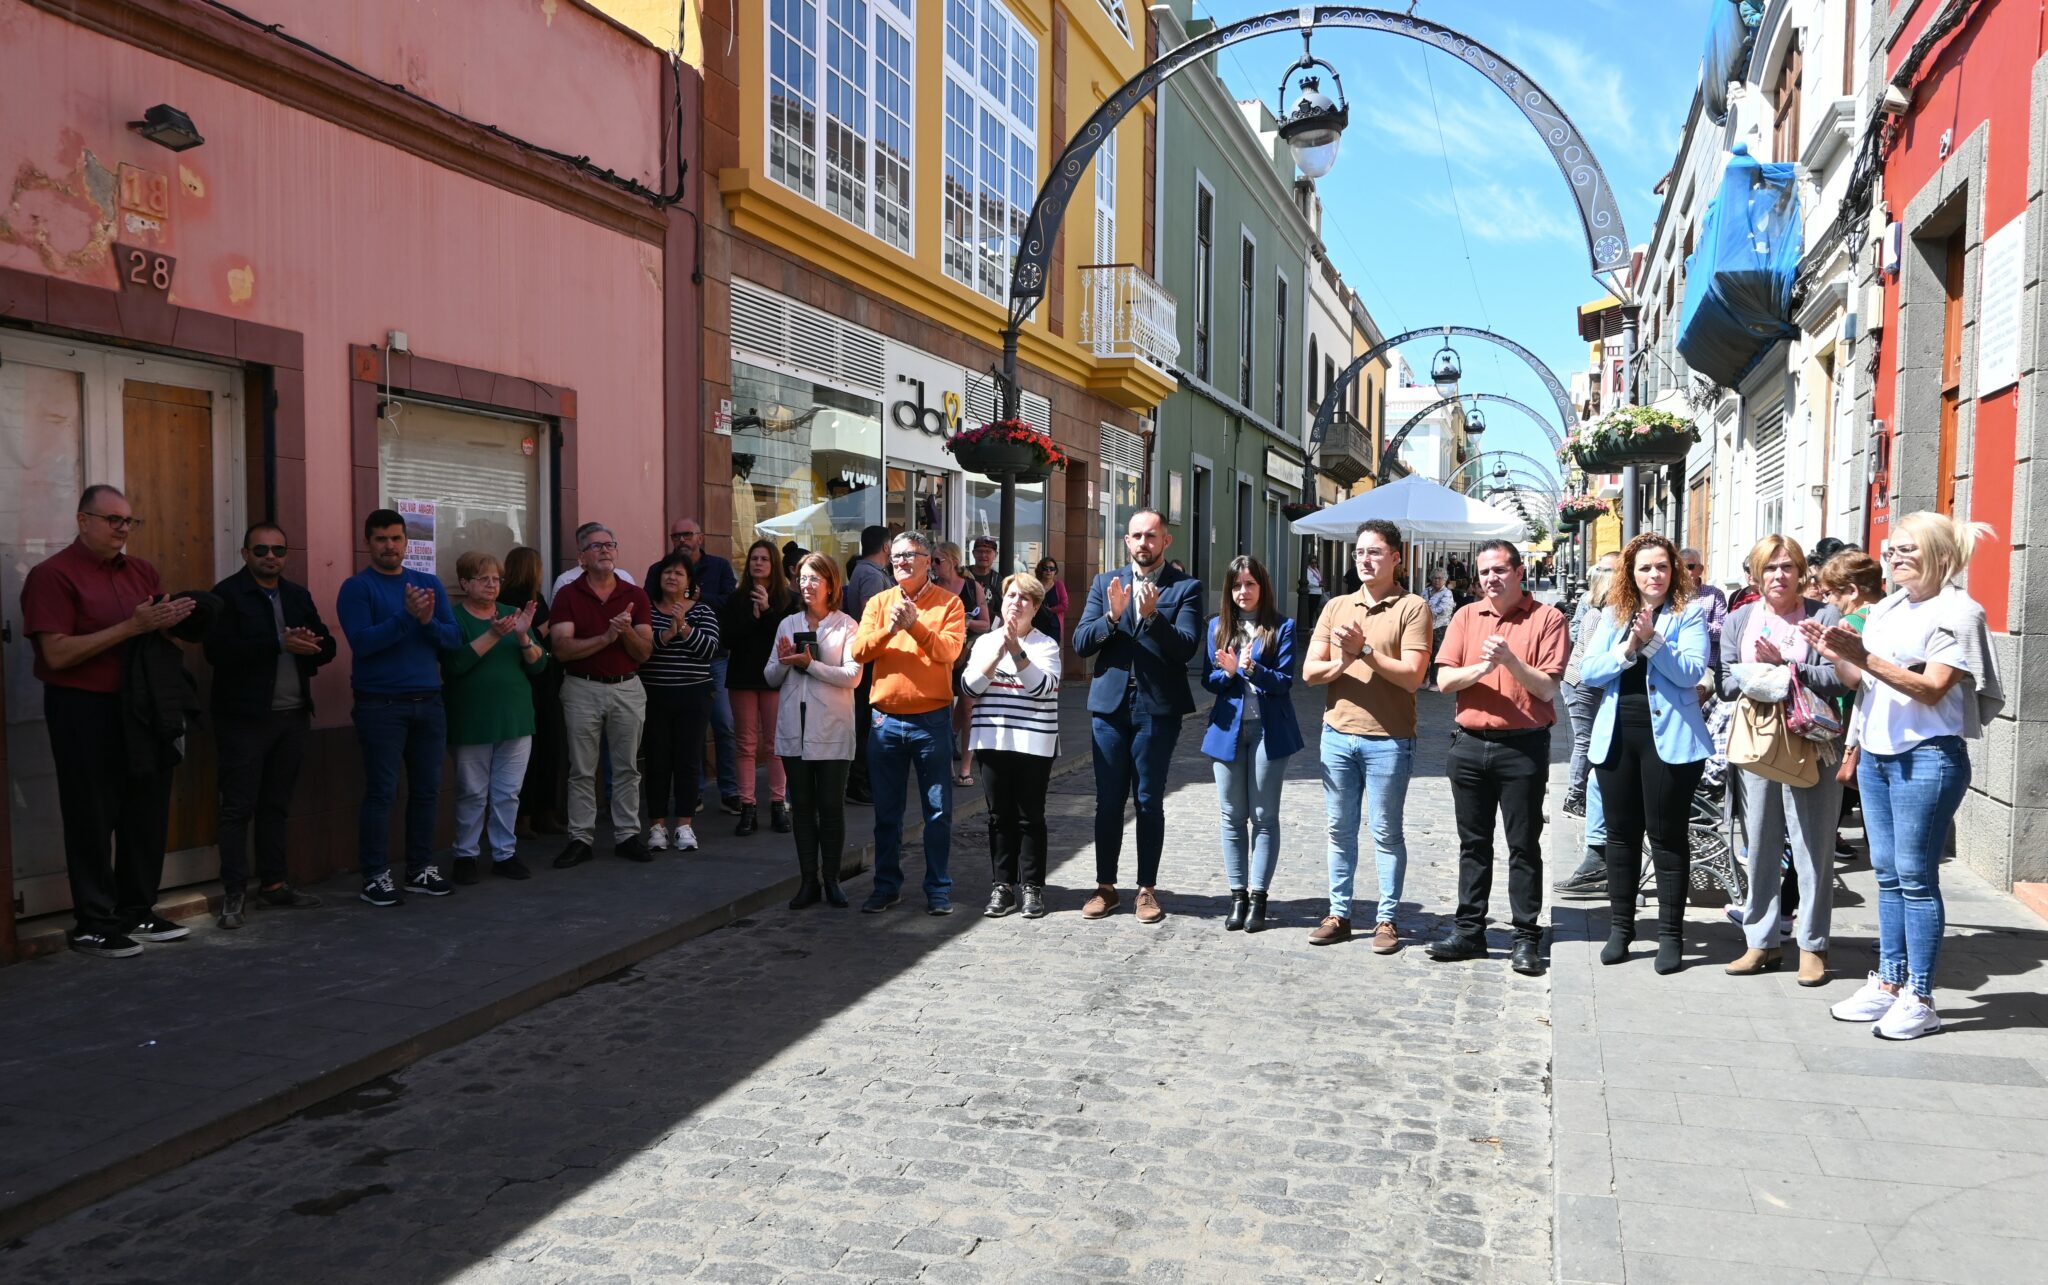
1738,282
1727,43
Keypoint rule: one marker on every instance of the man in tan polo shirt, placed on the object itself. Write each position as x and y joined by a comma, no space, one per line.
1369,651
1504,656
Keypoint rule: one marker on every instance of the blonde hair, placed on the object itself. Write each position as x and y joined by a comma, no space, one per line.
828,571
1032,587
1767,549
950,552
1598,582
1945,544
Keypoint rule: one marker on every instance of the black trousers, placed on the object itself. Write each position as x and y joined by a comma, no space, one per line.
1641,792
817,814
1505,777
114,824
259,768
673,740
1015,783
547,766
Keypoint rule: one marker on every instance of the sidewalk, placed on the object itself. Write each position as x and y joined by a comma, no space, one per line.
113,1071
1713,1128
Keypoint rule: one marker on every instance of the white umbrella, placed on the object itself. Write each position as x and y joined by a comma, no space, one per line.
817,522
1421,508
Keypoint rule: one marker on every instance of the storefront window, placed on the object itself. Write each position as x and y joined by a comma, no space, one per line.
985,518
917,500
805,463
463,479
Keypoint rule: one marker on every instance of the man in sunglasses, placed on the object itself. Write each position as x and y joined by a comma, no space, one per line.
1711,597
266,644
81,607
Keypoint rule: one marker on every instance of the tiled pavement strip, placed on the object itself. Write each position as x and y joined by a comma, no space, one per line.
833,1097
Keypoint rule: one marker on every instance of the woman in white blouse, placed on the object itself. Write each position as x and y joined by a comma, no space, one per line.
813,666
1013,673
1927,680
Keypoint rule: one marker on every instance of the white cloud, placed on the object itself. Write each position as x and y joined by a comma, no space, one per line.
1503,214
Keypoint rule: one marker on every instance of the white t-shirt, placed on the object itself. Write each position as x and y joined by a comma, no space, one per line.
574,573
1906,634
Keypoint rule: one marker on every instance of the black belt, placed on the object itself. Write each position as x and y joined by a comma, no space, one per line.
1498,735
606,679
398,698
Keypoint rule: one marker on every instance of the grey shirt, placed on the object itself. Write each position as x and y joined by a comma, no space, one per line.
284,691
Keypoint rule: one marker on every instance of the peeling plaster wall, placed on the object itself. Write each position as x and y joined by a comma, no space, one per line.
286,220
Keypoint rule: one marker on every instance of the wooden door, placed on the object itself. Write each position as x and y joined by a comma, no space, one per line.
1951,376
167,433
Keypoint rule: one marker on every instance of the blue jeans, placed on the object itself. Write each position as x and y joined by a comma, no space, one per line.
1248,787
1909,801
396,734
1581,704
1368,772
487,781
721,735
898,744
1596,816
1131,749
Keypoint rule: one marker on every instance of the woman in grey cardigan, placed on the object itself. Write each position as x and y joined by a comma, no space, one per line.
1768,631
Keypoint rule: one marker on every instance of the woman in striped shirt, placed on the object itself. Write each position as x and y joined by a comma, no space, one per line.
677,676
1014,675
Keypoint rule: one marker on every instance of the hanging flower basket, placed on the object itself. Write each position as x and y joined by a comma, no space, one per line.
1576,510
1638,435
1587,453
1295,510
1007,448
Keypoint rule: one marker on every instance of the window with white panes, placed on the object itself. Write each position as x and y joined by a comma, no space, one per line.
991,142
857,120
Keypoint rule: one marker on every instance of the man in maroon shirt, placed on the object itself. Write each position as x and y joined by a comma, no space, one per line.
601,629
81,607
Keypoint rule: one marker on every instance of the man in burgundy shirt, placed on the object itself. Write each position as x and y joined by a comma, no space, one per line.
81,607
601,629
1503,655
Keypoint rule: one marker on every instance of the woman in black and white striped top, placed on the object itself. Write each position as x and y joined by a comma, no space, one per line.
1014,675
677,676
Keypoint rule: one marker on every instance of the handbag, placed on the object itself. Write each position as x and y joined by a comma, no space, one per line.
1808,716
1846,772
1762,744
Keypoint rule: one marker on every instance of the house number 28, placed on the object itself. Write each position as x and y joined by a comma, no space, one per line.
145,269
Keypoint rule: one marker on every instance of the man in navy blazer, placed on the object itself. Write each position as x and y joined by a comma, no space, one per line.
1142,624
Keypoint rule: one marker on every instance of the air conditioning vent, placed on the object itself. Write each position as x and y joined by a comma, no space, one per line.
779,331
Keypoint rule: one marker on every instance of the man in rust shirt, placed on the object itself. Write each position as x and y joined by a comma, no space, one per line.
601,629
1504,656
81,607
1368,653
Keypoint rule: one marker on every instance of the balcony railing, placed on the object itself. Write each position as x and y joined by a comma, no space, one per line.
1125,313
1346,455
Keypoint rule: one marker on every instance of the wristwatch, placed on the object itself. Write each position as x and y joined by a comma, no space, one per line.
1364,650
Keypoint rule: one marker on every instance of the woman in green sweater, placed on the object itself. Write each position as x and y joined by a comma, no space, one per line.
490,714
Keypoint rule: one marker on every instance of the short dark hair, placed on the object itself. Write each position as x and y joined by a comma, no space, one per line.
94,492
254,527
873,539
1385,530
379,519
1502,546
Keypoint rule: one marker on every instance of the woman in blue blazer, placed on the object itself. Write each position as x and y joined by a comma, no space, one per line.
1252,730
1649,743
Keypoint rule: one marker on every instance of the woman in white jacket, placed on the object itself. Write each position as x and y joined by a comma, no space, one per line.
813,666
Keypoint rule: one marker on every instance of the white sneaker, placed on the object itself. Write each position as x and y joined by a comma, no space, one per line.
1866,1005
657,838
686,838
1911,1017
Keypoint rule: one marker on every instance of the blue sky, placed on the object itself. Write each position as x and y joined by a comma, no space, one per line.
1623,70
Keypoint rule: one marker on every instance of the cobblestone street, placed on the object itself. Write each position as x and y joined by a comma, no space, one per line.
825,1096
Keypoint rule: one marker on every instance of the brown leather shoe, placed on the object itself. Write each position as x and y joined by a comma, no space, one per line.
1101,904
1330,932
1149,909
1755,961
1813,968
1386,939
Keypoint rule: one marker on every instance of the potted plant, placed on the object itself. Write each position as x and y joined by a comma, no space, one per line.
1575,510
1007,448
1640,435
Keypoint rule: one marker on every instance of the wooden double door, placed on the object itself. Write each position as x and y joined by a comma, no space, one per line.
165,433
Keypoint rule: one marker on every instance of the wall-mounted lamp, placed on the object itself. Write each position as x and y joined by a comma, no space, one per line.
166,126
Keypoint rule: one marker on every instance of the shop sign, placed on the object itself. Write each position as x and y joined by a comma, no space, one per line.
915,412
721,423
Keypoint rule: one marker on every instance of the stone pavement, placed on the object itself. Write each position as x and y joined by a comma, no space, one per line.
825,1096
1714,1128
111,1071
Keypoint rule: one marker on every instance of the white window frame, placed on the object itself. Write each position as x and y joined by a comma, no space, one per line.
1247,314
1283,291
897,18
1202,329
989,258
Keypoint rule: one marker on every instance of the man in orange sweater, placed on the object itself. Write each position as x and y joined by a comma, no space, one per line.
911,634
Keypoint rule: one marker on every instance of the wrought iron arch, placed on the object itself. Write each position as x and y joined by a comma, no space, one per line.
1550,483
1389,451
1333,398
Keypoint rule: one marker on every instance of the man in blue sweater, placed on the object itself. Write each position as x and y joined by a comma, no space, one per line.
398,622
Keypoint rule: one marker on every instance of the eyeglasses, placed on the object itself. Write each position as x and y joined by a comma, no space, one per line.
485,580
680,535
268,550
114,520
907,557
811,582
1898,550
601,546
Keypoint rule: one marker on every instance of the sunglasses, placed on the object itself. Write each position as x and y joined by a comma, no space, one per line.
269,550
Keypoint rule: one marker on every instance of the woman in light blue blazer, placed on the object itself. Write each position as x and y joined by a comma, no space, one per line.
1649,743
1252,731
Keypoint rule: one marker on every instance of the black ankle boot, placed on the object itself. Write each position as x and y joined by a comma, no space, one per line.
1240,906
807,895
1618,942
833,896
1670,952
1256,920
748,823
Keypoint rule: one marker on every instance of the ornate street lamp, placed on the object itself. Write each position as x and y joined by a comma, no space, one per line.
1446,370
1312,127
1475,421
